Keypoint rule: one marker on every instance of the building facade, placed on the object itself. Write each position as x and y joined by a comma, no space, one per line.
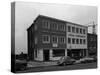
50,39
92,44
76,40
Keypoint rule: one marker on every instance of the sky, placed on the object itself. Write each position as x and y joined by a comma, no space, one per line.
26,13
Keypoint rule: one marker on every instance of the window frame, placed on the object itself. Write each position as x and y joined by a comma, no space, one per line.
56,37
45,41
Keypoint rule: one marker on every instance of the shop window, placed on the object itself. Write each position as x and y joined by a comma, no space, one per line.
58,52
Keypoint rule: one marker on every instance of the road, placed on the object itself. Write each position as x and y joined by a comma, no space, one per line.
55,68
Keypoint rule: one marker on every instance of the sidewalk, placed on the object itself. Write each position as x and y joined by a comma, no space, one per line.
40,64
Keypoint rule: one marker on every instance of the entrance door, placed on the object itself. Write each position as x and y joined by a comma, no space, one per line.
46,55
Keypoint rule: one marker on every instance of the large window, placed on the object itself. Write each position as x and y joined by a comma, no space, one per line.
54,39
46,39
77,30
45,24
58,52
84,41
80,41
69,29
80,31
62,27
83,31
77,41
73,29
69,40
61,39
54,26
73,40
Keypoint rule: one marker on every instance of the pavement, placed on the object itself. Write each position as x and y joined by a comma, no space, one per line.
40,64
58,68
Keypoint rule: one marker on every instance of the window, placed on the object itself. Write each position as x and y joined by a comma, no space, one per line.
69,40
77,41
46,24
73,29
46,39
84,41
73,40
62,39
54,26
62,27
80,30
58,52
80,41
77,30
83,31
54,39
69,29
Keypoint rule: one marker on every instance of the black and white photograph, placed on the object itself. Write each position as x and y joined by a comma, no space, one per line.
53,37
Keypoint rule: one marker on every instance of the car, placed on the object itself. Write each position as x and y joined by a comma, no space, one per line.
85,60
65,60
20,65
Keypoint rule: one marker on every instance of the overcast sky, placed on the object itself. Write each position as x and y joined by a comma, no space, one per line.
26,12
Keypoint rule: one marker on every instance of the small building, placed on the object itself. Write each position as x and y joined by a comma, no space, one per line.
50,39
92,44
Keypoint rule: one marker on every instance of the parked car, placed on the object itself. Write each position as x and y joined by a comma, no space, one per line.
66,60
20,65
84,60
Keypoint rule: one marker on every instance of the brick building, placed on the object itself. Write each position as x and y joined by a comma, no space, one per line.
50,38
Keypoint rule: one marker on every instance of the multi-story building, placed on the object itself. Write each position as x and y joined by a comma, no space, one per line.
76,40
92,44
47,39
50,38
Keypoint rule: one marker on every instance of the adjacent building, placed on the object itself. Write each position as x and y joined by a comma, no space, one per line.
92,44
76,40
50,39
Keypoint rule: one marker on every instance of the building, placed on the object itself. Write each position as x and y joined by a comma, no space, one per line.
92,44
76,40
50,38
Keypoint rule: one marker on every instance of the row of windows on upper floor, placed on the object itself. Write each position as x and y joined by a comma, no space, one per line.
54,26
76,30
61,39
55,39
76,41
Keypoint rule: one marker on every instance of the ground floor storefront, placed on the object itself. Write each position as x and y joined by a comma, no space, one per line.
56,54
49,54
77,53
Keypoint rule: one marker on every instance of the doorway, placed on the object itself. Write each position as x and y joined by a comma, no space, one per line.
46,55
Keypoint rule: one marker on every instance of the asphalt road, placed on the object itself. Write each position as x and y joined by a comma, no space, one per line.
57,68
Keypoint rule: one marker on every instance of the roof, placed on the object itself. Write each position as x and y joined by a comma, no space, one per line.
42,16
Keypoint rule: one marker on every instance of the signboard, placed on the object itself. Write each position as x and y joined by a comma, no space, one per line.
55,45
